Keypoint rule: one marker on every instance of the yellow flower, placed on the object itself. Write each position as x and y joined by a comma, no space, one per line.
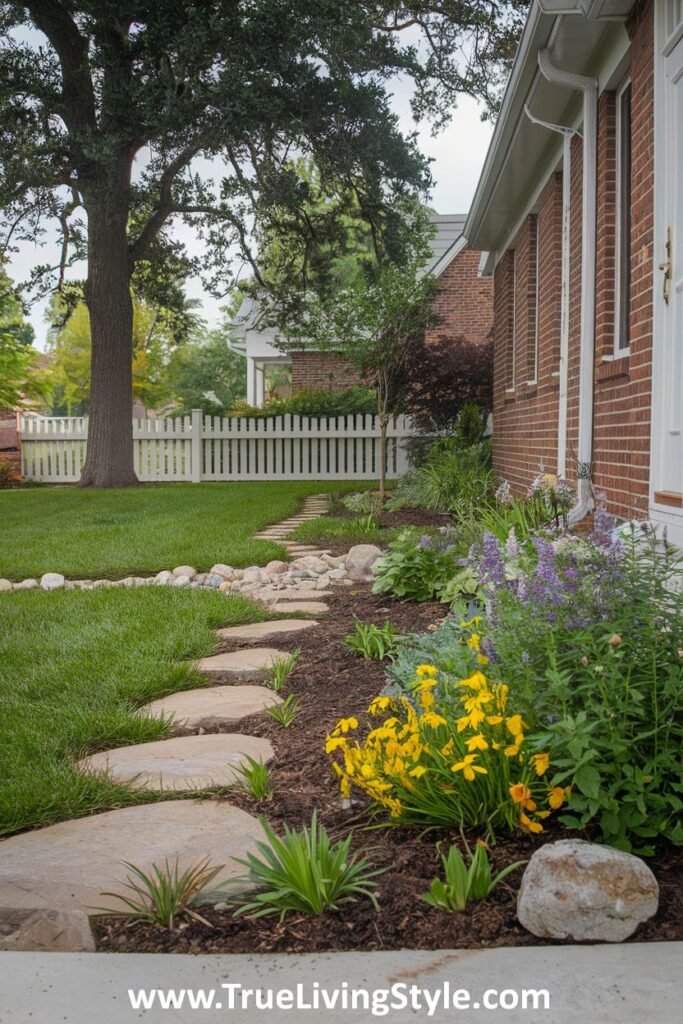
474,642
433,720
482,659
426,670
418,771
427,699
557,797
333,743
468,767
501,694
513,750
529,825
471,622
541,763
447,750
379,704
520,793
345,724
477,681
477,743
494,719
515,724
345,787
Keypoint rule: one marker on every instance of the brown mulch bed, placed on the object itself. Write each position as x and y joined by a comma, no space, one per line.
331,683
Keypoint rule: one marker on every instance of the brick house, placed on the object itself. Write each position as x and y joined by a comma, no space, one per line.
463,302
579,210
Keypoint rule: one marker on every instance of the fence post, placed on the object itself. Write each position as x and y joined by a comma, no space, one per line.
196,445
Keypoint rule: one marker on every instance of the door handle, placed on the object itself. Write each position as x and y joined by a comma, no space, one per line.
667,268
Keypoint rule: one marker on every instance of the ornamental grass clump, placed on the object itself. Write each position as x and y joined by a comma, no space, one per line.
451,754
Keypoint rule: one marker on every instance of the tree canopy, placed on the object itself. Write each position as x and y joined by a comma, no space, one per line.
140,113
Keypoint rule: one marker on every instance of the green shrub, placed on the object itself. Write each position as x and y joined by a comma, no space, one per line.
304,872
358,400
364,503
415,567
452,479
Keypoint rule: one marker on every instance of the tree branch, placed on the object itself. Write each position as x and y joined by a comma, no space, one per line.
165,207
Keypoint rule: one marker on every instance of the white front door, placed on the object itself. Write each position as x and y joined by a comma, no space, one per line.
667,418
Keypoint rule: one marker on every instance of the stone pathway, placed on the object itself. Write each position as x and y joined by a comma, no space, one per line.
64,868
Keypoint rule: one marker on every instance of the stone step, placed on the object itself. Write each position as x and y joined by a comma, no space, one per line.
252,664
300,607
289,594
182,764
211,706
262,632
70,864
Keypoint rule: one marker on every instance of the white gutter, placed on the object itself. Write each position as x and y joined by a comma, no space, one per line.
589,88
567,135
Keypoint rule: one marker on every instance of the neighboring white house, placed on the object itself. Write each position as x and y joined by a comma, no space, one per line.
257,343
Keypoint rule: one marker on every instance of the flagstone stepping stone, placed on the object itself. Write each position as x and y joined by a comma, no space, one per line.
69,865
302,607
293,594
262,632
252,664
212,706
181,764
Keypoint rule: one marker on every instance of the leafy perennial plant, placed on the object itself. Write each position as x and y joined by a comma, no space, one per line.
451,754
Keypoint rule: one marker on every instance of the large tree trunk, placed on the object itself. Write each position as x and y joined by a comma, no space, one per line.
109,458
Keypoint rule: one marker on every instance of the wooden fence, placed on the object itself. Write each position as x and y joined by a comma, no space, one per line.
197,447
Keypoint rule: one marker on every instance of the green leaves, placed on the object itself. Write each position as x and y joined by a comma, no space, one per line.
374,643
285,714
465,883
304,872
165,893
414,567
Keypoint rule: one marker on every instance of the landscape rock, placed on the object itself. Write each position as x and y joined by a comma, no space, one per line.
5,585
51,581
311,564
163,578
185,570
577,890
181,581
213,580
219,569
334,562
246,665
27,930
262,632
211,706
337,574
276,568
360,560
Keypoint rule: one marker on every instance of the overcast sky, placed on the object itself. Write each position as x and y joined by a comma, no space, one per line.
457,153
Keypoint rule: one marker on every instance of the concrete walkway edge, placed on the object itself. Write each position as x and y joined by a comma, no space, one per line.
614,984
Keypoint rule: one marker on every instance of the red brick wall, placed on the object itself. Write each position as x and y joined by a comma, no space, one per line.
623,398
525,420
525,416
326,370
463,300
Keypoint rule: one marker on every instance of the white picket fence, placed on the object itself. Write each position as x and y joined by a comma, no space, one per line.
197,447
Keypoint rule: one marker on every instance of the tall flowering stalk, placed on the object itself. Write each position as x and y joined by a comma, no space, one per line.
454,755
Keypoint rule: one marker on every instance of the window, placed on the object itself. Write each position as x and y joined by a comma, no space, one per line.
512,328
622,301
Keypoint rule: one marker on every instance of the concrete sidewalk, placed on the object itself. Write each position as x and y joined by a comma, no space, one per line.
616,984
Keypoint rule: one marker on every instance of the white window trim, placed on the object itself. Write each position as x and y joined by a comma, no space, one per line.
510,389
537,312
618,353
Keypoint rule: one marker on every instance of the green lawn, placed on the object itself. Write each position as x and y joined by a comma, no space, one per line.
85,534
74,666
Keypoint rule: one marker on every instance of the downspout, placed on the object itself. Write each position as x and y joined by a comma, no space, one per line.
567,135
589,88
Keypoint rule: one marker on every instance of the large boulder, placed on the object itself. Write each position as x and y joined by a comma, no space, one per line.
360,560
5,585
577,890
185,570
310,564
